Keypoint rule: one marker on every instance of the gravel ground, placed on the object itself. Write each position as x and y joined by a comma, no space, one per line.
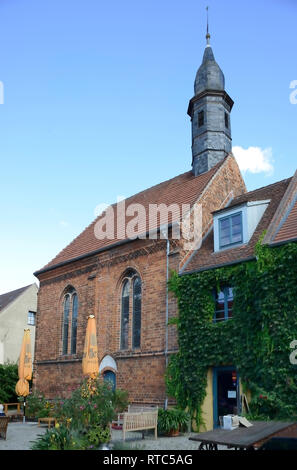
20,435
134,440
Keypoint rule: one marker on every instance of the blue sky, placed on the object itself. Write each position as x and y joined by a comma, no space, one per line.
95,106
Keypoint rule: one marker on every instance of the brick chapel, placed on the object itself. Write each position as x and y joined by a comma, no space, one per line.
123,281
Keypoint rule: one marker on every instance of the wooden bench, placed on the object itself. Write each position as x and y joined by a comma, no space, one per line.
140,421
4,420
15,413
48,420
118,423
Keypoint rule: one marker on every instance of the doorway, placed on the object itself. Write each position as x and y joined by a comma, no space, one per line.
225,393
109,376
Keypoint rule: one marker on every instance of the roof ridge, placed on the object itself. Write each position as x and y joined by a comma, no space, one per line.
12,295
19,288
268,186
167,185
112,205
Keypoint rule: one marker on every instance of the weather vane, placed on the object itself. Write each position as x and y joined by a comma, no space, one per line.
207,32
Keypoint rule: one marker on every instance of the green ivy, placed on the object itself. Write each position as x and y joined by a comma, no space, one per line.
256,340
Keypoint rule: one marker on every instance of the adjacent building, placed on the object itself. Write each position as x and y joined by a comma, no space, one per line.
17,312
265,216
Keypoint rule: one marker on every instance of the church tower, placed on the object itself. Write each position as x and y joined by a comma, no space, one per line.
209,110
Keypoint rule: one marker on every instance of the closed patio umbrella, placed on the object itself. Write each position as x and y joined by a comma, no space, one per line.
24,369
90,365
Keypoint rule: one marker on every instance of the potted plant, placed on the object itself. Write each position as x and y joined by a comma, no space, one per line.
172,421
120,403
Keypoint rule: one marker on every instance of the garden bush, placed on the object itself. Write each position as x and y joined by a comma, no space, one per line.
8,380
36,405
83,419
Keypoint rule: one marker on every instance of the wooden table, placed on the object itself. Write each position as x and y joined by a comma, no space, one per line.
245,438
48,421
15,413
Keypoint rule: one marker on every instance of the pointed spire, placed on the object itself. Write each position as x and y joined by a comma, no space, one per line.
207,31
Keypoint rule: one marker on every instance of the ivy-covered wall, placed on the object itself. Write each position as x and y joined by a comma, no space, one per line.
256,340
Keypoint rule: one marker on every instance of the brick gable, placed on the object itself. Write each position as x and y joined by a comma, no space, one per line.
97,278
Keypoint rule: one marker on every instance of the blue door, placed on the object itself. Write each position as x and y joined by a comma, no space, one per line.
110,376
226,398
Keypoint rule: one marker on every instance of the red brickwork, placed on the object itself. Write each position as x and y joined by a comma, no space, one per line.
97,280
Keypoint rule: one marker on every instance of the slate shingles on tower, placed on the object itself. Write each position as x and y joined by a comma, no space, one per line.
209,110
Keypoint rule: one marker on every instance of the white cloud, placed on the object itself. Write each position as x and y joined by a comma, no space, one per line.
254,159
63,223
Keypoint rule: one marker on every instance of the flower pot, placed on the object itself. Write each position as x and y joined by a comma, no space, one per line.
173,433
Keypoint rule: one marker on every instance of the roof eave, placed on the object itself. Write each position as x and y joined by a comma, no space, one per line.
91,253
217,266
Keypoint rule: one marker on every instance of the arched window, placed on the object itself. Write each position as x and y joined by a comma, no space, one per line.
125,314
136,312
66,322
131,304
74,323
110,377
70,313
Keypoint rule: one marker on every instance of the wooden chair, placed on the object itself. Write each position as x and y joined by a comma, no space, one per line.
4,420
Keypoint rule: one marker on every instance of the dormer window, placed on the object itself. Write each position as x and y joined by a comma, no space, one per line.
236,225
230,229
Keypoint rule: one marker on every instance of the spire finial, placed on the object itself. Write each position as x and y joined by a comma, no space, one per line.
207,32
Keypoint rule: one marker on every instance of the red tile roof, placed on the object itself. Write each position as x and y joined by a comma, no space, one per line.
183,189
206,258
288,230
283,227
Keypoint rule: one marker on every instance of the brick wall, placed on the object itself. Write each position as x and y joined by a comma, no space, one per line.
98,283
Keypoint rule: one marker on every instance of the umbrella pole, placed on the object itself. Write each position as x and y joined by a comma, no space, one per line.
24,417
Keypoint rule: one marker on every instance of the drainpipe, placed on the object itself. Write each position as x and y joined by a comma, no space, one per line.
166,325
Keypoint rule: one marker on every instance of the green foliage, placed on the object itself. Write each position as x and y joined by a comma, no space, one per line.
36,405
120,400
256,340
171,420
8,380
98,435
119,445
90,405
59,438
83,419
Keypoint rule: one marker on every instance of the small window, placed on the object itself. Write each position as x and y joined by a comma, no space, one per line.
224,304
230,230
31,318
200,118
226,121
